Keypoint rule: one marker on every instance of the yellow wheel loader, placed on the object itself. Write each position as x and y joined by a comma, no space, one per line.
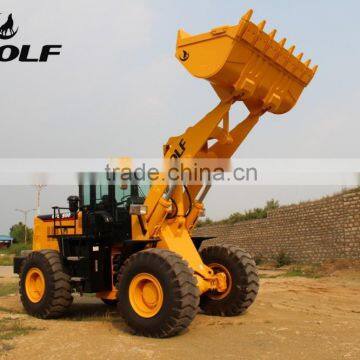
133,246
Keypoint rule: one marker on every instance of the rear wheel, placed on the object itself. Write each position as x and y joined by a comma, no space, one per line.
158,295
45,289
242,281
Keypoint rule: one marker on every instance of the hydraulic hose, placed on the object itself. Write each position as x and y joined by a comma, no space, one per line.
190,201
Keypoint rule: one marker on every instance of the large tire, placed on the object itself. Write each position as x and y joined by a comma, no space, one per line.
242,278
55,297
175,286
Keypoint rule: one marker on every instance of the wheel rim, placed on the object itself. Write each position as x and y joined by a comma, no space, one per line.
35,285
215,295
146,295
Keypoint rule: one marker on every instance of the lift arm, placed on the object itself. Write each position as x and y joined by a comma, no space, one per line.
242,63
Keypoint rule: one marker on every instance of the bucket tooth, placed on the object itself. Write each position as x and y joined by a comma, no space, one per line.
315,68
248,15
292,49
282,42
261,25
182,35
272,34
251,63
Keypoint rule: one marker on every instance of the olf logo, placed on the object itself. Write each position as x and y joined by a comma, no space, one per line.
12,52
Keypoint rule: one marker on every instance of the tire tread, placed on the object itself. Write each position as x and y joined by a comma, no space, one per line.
185,284
246,291
60,298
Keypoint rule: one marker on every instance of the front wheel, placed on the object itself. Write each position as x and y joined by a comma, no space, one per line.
242,281
158,295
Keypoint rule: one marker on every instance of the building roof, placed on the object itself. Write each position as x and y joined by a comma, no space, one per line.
5,237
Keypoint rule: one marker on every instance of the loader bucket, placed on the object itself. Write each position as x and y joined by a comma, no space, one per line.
243,62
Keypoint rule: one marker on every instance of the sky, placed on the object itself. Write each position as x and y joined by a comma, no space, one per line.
117,89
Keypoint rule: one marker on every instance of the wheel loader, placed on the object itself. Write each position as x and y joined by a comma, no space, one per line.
134,247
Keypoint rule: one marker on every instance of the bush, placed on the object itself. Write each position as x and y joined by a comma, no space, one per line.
257,213
272,205
282,259
259,259
15,249
206,222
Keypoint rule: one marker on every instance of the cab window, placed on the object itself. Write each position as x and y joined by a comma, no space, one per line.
102,187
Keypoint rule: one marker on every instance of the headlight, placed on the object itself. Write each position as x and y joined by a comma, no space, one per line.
138,209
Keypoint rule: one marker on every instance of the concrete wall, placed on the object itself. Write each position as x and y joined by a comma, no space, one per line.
309,232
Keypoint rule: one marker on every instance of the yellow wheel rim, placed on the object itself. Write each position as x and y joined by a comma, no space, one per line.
35,285
146,295
215,295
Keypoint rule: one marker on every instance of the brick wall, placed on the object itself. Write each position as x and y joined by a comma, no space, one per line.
309,232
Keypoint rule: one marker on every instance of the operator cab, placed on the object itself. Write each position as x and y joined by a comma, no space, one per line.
105,204
97,192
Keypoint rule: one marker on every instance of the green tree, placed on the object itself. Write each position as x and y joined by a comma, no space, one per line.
17,232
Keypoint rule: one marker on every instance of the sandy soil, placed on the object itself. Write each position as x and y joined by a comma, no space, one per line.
6,271
293,318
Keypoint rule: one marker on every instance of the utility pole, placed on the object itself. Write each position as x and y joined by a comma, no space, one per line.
25,212
38,188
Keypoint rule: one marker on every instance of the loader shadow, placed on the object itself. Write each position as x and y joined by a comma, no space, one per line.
93,309
89,309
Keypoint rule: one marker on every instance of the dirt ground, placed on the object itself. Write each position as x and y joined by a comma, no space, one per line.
293,318
6,271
